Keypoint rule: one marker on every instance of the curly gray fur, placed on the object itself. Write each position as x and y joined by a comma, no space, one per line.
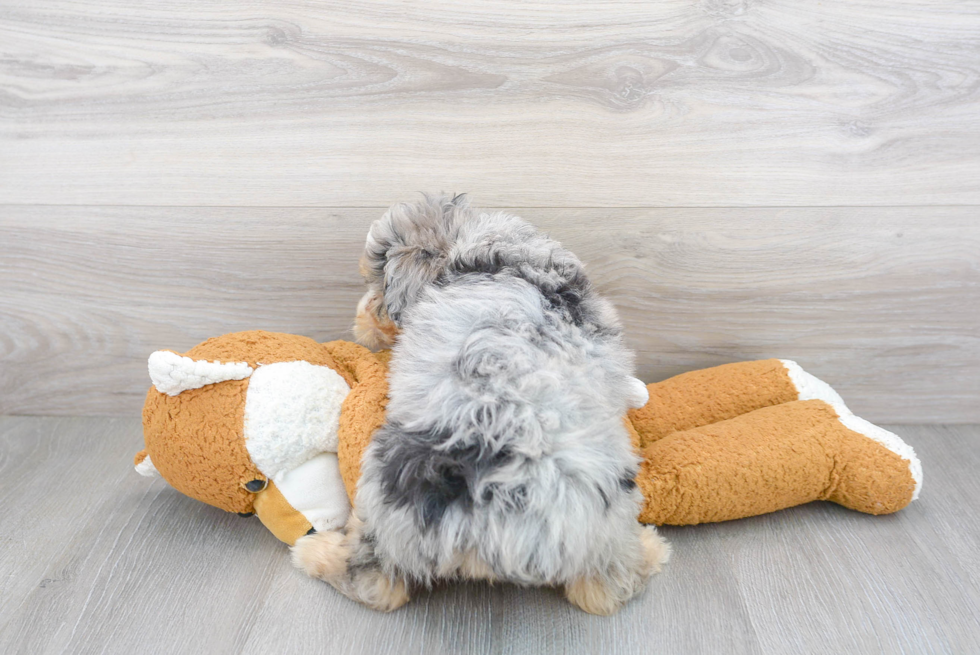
504,449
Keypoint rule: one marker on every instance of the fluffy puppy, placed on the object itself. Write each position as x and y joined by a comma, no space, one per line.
504,456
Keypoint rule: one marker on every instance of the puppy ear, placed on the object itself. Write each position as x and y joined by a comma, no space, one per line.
408,271
407,249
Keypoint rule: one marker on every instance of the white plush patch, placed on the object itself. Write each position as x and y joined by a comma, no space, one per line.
810,387
316,490
147,469
639,394
171,373
813,388
292,413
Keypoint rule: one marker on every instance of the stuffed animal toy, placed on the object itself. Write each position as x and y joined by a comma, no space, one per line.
275,425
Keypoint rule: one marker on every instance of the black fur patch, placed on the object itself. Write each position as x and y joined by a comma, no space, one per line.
605,498
363,556
518,498
567,296
418,474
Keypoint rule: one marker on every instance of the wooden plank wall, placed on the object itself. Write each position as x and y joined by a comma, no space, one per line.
744,179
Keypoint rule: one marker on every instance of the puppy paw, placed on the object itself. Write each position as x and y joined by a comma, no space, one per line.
372,327
656,550
605,593
321,555
594,595
378,591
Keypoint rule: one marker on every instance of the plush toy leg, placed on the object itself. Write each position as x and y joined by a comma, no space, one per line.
710,395
773,458
720,393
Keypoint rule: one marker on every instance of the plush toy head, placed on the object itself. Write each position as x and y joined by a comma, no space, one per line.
250,423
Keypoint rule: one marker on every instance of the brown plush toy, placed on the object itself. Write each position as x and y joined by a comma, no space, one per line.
276,424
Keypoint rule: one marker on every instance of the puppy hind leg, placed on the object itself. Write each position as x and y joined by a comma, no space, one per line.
347,561
656,550
322,555
605,593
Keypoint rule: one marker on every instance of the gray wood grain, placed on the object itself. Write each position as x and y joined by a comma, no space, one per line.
97,559
80,558
884,303
673,103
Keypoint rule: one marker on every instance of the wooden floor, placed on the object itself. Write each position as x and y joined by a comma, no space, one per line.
96,559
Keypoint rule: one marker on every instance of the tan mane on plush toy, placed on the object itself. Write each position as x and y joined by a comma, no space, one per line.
721,443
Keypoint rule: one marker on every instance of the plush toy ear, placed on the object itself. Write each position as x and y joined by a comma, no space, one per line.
144,465
172,373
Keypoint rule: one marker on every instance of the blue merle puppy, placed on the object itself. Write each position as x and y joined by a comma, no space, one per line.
504,456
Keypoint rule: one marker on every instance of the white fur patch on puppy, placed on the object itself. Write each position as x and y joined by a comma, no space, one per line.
171,373
292,413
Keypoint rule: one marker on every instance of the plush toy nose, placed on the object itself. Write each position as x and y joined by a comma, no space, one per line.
311,495
281,518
